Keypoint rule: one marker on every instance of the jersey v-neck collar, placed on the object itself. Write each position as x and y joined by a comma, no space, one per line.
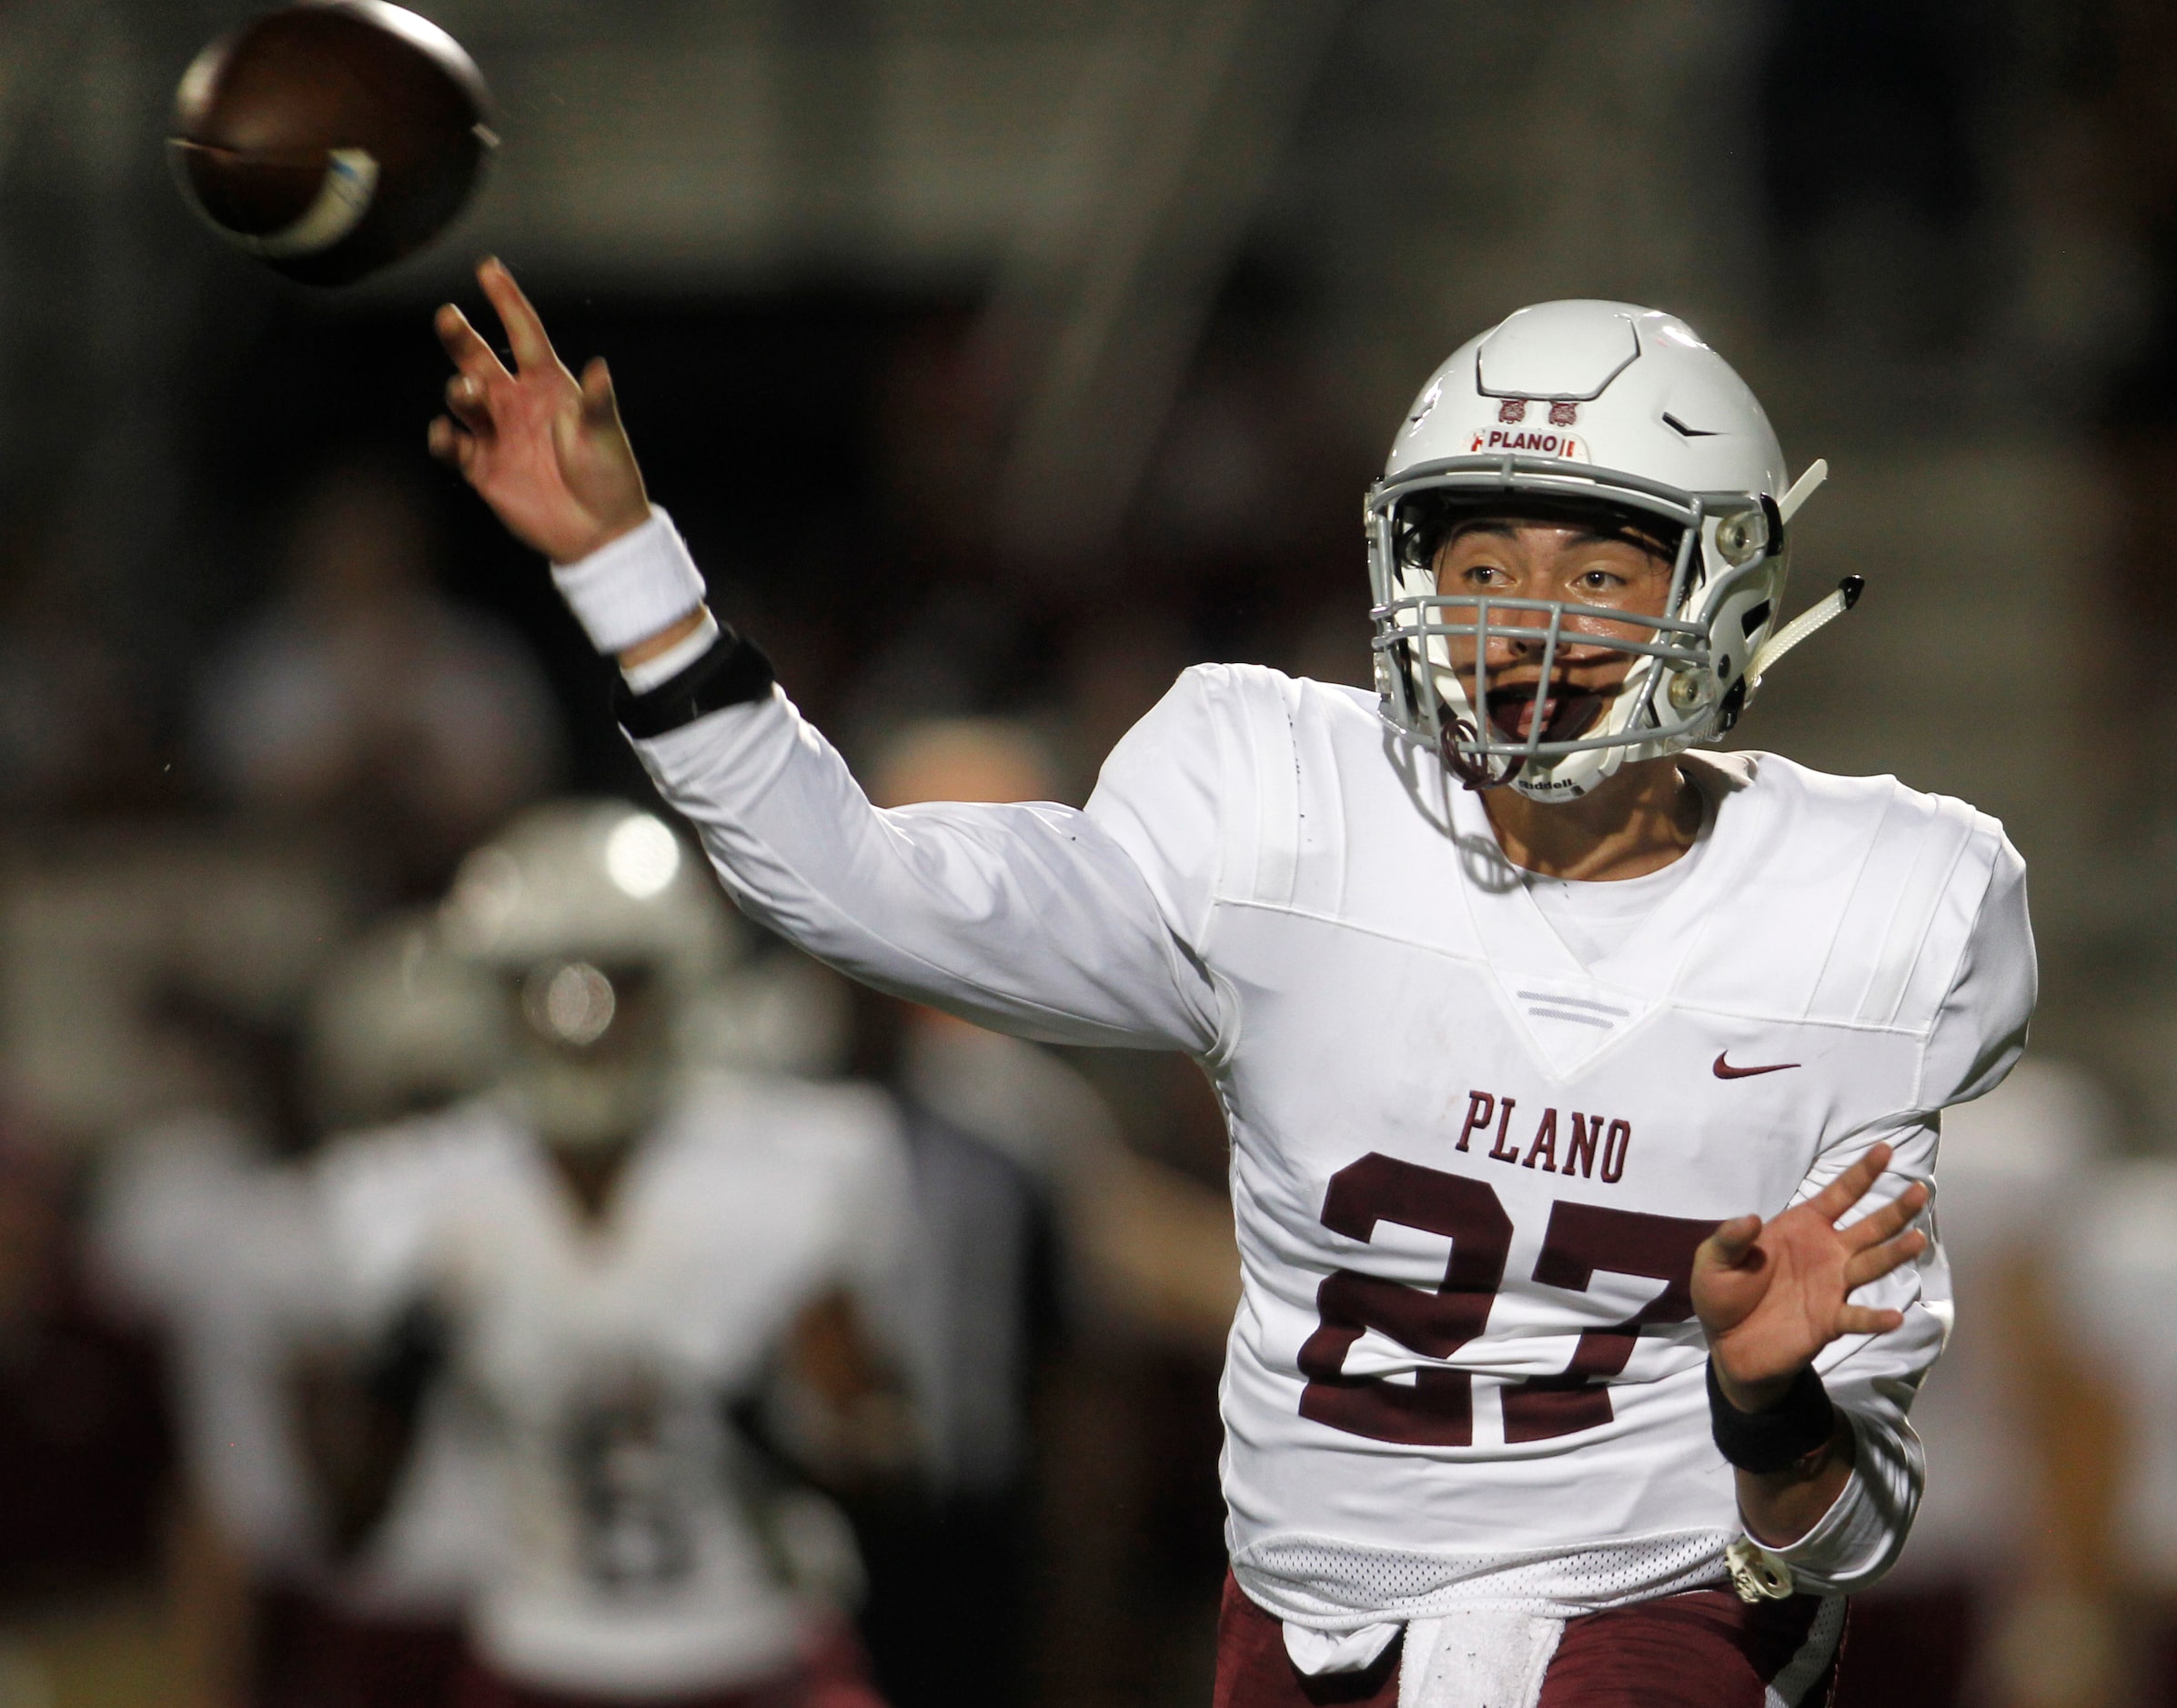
1616,911
1569,1012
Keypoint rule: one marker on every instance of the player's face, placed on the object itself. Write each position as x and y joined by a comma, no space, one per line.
593,1049
1530,560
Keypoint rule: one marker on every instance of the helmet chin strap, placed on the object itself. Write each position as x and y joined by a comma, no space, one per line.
1815,617
1474,773
1803,488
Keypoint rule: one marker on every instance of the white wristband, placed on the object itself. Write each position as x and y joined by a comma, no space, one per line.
628,590
658,671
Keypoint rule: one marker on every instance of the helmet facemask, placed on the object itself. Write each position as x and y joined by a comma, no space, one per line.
593,1061
602,934
1684,678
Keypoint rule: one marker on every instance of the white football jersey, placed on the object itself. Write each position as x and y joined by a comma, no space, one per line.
2120,1295
222,1247
1469,1171
2021,1171
228,1250
605,1357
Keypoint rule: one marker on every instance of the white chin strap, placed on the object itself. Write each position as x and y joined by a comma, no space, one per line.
1816,616
1803,488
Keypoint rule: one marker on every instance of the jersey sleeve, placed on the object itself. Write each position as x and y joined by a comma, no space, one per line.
381,1198
1980,1029
1160,797
1980,946
1037,920
153,1206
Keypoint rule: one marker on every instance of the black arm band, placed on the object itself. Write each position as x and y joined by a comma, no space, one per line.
1799,1424
732,673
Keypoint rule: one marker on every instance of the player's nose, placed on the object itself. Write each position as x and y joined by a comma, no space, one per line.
1518,633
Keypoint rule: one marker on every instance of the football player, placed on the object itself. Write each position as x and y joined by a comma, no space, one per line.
209,1220
1583,1088
656,1292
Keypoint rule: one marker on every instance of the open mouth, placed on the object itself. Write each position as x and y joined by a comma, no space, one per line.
1566,715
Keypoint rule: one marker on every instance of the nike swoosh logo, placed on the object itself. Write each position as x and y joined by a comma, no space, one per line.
1725,1070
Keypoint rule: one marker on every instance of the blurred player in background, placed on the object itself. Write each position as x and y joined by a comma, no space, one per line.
2121,1289
657,1291
2009,1592
1656,1040
208,1220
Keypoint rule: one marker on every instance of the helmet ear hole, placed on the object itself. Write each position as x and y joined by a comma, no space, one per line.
1734,702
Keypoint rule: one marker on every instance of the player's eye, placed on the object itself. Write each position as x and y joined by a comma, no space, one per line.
1598,581
1484,575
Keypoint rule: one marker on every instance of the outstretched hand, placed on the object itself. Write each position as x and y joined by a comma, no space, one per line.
1771,1295
544,450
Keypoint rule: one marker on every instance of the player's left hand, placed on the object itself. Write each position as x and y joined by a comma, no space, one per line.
1771,1295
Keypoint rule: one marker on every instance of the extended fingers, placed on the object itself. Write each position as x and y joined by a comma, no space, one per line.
1849,1188
1889,1220
1860,1320
598,400
465,347
469,403
450,445
1877,1262
525,328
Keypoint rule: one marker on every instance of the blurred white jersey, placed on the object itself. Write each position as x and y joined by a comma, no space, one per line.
605,1356
2019,1171
1469,1171
227,1251
222,1249
2122,1290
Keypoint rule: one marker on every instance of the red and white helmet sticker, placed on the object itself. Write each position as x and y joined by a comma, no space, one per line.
1532,441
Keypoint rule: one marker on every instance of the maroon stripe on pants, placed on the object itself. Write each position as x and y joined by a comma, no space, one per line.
1704,1649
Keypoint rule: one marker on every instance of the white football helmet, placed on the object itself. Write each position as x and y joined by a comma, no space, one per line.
398,1024
1571,408
603,927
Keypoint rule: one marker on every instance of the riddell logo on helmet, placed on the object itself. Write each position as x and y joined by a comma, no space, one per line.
1535,441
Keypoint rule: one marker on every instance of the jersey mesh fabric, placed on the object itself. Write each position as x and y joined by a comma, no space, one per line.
1287,1575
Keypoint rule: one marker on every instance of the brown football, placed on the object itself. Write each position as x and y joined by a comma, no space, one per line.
332,138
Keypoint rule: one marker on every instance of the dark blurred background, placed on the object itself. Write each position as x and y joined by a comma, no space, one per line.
999,360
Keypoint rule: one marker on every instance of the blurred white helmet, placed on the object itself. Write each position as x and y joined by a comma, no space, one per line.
603,927
593,878
399,1023
1574,409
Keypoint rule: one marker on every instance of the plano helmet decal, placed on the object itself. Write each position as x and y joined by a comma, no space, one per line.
1530,441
